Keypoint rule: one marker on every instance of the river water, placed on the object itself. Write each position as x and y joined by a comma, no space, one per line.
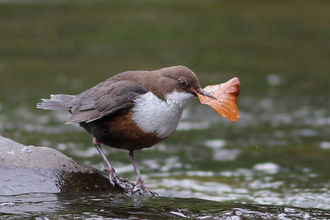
273,163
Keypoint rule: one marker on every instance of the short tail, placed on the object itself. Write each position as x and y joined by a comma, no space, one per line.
57,102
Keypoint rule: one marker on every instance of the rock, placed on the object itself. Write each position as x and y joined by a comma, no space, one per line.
27,169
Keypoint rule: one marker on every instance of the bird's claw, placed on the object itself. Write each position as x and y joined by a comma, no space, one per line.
116,180
121,182
140,189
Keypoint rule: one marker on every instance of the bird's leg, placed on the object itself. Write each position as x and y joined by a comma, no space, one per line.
139,183
113,177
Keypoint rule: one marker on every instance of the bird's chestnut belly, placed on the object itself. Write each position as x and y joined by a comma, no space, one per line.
120,131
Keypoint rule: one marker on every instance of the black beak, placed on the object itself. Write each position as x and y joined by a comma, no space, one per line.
202,92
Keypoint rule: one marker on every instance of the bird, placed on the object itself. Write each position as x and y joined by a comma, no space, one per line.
131,111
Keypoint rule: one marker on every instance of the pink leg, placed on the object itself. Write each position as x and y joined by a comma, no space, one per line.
113,177
139,183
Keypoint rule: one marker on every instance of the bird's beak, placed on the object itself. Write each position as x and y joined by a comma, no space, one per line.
202,92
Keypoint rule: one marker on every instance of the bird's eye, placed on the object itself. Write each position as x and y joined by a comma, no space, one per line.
182,83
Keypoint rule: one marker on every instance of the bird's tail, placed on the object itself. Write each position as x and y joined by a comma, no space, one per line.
57,102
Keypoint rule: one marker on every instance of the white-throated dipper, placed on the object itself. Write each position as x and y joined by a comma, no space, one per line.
131,110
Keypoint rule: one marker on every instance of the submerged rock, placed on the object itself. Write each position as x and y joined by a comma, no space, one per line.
26,169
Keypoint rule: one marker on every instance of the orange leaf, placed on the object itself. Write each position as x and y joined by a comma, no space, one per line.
226,102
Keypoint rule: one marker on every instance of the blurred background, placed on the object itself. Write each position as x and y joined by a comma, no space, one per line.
278,151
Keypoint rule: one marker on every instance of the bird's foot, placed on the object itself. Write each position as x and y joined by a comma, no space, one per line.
140,189
130,188
119,181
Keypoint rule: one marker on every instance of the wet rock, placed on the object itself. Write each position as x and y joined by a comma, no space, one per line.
26,169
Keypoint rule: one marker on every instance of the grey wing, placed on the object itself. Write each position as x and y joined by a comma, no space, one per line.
105,99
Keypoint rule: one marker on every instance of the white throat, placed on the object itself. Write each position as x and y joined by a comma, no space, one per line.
161,116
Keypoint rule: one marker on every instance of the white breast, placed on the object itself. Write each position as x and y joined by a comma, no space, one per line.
161,116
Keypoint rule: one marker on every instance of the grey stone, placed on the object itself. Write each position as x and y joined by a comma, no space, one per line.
27,169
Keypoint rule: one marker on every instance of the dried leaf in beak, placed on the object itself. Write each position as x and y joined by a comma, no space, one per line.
226,102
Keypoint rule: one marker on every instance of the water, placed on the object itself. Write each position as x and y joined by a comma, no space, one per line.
270,164
105,206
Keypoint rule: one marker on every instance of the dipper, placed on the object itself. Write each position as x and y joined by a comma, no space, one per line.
131,111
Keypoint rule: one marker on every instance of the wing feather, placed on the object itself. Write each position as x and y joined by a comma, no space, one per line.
105,99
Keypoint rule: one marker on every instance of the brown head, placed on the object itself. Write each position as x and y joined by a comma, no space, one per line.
176,78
